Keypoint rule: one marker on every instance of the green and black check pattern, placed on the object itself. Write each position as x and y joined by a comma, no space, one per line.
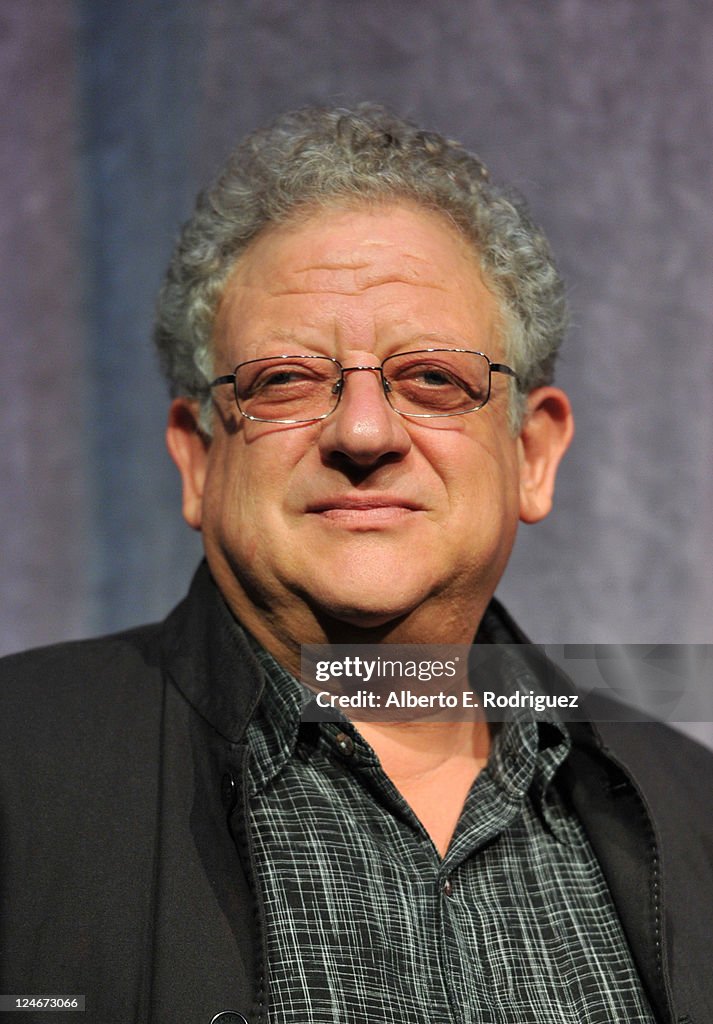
366,923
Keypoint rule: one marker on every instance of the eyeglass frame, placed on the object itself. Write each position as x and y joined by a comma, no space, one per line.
338,387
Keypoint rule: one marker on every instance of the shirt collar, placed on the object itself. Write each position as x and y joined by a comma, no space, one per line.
222,671
274,731
525,755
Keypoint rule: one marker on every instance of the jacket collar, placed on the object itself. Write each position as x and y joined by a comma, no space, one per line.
210,660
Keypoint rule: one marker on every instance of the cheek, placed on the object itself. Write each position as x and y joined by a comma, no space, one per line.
226,492
247,485
479,472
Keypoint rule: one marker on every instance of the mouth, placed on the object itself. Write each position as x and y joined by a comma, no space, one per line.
364,510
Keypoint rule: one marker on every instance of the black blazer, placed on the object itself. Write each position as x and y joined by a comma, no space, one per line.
125,862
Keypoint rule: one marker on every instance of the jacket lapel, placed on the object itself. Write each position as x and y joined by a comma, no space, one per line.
621,832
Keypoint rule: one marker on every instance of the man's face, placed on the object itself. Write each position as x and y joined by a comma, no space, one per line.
365,518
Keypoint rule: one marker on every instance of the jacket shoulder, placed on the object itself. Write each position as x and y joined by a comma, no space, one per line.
673,769
71,700
56,671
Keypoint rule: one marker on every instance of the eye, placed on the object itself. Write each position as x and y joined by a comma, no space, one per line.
282,376
286,377
433,376
426,375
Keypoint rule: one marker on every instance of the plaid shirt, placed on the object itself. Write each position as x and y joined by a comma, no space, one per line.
365,921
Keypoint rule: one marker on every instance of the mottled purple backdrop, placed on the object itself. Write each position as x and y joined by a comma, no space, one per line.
115,112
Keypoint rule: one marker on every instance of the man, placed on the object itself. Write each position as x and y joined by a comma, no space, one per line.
359,330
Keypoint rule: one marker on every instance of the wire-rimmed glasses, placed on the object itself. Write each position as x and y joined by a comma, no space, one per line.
424,384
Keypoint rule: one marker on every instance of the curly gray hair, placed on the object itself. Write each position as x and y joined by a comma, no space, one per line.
318,157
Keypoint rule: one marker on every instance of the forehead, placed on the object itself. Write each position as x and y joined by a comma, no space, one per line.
391,269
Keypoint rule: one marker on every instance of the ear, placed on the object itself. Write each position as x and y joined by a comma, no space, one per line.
188,446
546,433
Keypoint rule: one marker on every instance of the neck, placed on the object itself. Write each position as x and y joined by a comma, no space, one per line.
284,631
424,747
433,766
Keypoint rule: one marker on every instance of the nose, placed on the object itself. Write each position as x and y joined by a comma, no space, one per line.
364,429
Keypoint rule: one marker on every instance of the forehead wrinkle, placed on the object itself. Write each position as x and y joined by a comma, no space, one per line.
353,274
358,290
350,281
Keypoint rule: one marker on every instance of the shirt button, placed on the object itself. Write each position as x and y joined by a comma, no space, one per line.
448,887
345,744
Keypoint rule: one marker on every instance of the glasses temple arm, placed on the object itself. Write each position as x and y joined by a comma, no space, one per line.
503,368
227,378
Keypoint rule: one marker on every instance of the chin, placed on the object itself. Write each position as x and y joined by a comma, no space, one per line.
364,619
357,626
360,608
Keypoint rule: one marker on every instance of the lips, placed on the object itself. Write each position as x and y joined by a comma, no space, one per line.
364,510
